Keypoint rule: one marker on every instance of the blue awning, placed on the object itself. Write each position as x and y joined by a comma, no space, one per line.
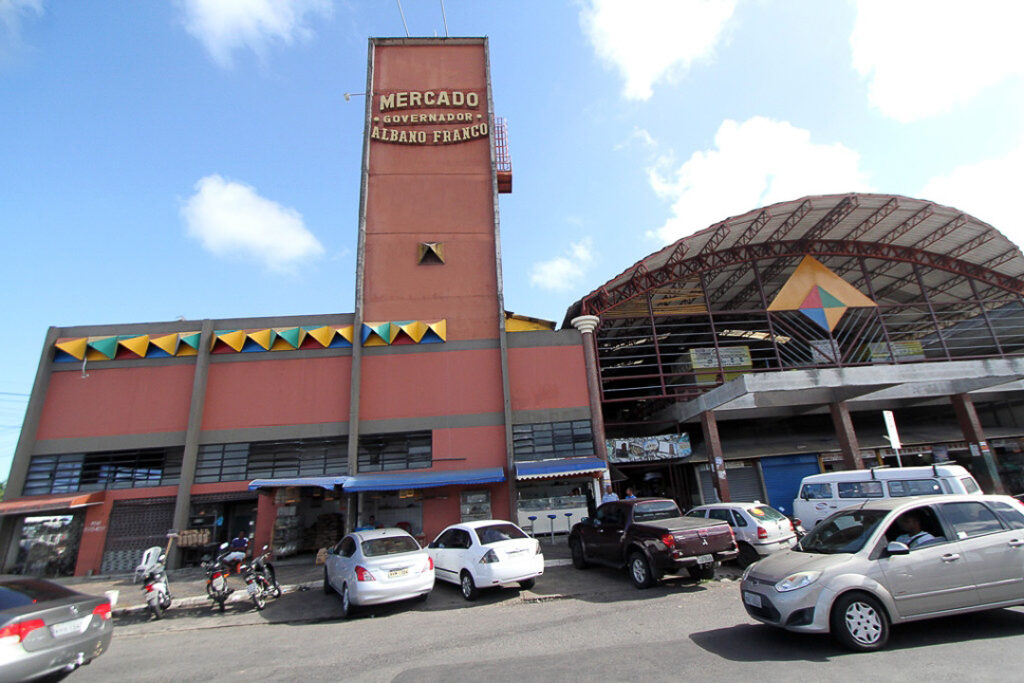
423,480
561,467
323,482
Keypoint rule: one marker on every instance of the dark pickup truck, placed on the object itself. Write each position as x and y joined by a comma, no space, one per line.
651,537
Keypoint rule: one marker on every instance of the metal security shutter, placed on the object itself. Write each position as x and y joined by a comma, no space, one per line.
782,476
744,483
133,527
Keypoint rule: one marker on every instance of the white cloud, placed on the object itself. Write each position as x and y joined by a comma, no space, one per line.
638,135
652,40
987,190
754,163
564,272
12,12
231,219
924,57
224,26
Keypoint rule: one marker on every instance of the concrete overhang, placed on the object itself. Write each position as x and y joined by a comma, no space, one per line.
792,392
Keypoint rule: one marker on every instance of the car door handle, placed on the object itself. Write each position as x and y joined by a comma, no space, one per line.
1015,543
950,557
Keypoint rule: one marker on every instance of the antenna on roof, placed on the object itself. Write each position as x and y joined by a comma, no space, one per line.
445,17
403,17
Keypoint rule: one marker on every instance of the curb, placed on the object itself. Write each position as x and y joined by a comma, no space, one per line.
202,600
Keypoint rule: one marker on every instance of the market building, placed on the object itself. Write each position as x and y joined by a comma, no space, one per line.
767,346
427,405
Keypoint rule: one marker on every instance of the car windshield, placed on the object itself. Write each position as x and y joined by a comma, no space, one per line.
765,512
653,511
389,545
19,592
496,533
843,532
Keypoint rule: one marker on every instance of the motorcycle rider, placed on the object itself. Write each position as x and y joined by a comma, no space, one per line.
239,548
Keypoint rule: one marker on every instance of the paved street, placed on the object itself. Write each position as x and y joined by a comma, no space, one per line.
606,630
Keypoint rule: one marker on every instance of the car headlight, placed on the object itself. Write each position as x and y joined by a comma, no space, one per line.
796,581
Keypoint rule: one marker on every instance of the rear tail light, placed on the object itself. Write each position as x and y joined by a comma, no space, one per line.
21,629
217,575
792,527
796,521
489,557
669,540
762,532
102,610
363,574
429,566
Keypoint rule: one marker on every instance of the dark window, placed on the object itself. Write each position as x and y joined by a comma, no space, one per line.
695,513
547,440
653,511
403,451
816,491
914,487
272,460
495,533
723,515
348,547
1010,515
75,472
765,512
860,489
20,592
447,539
390,545
740,519
611,514
971,519
970,486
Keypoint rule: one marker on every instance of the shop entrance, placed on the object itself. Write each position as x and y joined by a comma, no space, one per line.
48,545
308,518
661,479
566,499
402,509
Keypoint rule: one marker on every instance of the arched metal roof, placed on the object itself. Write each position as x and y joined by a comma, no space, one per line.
902,231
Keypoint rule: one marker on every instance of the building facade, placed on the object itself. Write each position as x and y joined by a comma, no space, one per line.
427,405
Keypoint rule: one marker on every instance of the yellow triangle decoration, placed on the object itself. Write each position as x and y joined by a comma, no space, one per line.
414,329
137,345
186,350
324,335
261,337
93,354
440,328
236,339
167,342
74,347
347,333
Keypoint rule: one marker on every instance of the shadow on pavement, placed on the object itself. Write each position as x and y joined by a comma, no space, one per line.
760,642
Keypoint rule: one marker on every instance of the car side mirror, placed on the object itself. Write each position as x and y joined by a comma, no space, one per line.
897,548
585,520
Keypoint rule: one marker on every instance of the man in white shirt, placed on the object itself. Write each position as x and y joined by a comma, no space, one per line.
913,535
609,495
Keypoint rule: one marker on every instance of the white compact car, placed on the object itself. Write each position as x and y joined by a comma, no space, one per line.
487,553
760,529
377,566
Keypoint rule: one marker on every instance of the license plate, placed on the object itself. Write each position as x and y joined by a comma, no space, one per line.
252,588
752,599
395,573
68,627
705,559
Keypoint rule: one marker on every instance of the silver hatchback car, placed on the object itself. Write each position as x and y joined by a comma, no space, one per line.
892,561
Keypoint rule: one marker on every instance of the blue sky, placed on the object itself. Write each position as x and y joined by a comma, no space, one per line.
197,158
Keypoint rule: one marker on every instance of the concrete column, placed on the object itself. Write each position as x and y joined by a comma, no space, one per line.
586,324
27,439
970,425
183,502
847,437
716,463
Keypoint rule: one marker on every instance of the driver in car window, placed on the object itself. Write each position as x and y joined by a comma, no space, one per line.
913,535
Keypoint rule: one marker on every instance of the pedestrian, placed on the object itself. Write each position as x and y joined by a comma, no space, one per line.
629,493
609,495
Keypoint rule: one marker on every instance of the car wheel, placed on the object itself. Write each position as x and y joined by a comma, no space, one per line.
640,570
701,573
528,584
747,556
579,560
469,589
347,608
859,622
327,584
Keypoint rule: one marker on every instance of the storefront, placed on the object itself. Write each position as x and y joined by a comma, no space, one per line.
555,494
308,513
48,532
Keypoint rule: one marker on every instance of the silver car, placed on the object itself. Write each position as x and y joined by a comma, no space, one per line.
377,566
895,560
760,529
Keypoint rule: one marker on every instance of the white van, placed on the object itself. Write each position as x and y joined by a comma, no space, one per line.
822,494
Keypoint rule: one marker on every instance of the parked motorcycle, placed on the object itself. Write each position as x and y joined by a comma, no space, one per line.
217,572
263,565
155,586
256,584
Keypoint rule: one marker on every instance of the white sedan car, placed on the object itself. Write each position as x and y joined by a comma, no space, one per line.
487,553
760,529
377,566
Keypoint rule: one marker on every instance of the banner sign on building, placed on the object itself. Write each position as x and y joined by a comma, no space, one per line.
647,448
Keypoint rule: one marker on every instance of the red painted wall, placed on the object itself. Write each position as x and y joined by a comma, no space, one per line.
547,377
469,448
277,392
430,384
116,401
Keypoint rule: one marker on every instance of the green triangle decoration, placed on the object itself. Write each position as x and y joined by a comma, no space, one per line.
108,346
291,335
192,340
829,301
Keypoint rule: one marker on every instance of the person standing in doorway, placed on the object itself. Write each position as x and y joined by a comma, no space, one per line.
609,495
